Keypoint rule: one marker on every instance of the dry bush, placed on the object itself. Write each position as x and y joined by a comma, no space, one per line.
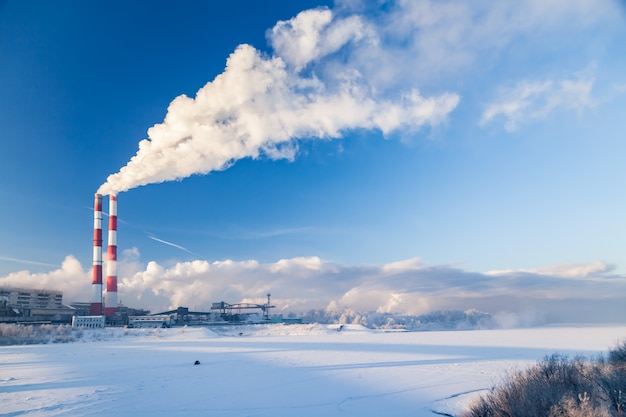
558,387
580,407
617,355
21,334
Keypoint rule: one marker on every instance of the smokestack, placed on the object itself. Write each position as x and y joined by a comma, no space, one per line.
111,300
96,284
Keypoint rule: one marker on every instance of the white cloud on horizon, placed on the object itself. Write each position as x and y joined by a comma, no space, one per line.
580,270
70,278
306,283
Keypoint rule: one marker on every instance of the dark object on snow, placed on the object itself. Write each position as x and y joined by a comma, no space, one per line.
196,363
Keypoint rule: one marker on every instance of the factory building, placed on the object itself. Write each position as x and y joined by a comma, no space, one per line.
26,305
31,298
88,322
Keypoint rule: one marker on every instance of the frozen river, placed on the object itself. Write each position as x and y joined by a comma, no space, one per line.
275,370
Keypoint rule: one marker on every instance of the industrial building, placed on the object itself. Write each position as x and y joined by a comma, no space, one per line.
30,298
89,322
150,321
221,312
121,317
23,305
26,305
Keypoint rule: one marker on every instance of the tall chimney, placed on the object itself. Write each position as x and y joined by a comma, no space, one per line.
95,309
111,300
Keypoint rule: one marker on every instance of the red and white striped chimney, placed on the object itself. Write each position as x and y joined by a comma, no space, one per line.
95,309
111,299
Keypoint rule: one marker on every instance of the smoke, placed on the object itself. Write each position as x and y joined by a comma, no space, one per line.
261,103
358,66
361,65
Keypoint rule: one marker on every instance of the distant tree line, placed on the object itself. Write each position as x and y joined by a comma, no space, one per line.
437,320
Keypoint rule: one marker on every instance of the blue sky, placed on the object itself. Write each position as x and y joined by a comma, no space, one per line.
459,137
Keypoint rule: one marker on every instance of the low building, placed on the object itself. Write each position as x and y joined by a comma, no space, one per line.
89,322
149,321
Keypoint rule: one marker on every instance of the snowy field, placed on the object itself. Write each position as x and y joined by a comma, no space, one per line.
275,370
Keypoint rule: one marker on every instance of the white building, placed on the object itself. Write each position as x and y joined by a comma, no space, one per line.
89,322
149,321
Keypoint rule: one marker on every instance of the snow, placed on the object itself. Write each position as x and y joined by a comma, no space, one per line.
276,370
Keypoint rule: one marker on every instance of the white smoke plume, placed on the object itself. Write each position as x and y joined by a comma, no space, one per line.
261,103
361,65
357,66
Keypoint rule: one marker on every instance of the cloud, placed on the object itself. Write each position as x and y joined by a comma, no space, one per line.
422,41
70,278
534,100
576,292
409,287
579,270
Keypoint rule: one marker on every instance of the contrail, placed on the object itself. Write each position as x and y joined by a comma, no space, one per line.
171,244
25,261
147,234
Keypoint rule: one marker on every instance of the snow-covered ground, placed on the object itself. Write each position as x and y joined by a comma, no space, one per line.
275,370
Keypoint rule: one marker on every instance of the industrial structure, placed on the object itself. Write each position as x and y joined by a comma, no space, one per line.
233,312
38,306
221,313
150,321
96,283
31,298
97,305
89,322
45,306
108,305
41,306
26,305
111,300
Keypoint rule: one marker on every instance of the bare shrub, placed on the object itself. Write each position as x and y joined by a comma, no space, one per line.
21,334
580,407
617,355
613,382
556,387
